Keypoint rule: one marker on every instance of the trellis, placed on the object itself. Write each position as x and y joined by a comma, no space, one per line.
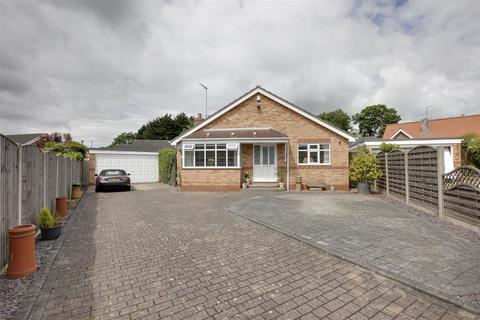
462,194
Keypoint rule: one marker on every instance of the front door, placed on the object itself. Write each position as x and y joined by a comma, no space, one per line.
265,163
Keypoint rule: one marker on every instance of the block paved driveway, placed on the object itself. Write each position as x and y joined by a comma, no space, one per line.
164,255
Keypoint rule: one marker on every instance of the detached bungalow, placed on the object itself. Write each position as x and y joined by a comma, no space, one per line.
267,137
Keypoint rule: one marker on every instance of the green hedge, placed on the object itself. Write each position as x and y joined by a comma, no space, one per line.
167,159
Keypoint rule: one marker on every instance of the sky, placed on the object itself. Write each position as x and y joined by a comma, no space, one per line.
98,68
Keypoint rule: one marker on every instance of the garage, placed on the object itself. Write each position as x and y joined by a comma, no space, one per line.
139,159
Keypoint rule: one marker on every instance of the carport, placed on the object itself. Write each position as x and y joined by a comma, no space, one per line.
139,158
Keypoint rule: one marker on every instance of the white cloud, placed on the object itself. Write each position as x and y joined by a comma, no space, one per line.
97,68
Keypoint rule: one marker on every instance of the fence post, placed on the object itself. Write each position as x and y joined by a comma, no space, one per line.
387,185
45,167
440,171
20,187
407,187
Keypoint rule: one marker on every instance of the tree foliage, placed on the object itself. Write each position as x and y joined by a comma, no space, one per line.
363,167
373,120
389,147
165,127
471,148
124,138
338,118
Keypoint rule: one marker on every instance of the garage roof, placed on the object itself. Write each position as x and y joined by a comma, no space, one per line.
139,146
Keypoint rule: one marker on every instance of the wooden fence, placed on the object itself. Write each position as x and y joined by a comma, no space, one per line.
417,177
29,181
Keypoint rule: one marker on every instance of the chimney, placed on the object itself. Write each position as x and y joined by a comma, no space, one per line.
198,119
425,129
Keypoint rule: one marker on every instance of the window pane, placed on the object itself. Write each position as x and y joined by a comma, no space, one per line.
210,158
302,157
256,154
324,146
199,146
221,146
313,156
271,155
324,156
199,158
210,146
264,155
221,158
302,147
313,146
232,158
188,158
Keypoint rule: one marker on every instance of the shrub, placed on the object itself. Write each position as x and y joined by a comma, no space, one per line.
389,147
363,167
45,219
70,149
166,165
471,148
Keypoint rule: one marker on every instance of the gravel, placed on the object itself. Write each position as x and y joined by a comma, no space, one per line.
12,291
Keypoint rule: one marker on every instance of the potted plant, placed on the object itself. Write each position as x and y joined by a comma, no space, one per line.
49,226
76,190
246,176
364,169
281,177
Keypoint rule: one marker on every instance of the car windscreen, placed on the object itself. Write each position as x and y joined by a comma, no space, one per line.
109,173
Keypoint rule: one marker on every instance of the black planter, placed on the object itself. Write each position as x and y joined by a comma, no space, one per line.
51,233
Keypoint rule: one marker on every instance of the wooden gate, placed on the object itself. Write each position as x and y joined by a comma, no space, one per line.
396,172
423,175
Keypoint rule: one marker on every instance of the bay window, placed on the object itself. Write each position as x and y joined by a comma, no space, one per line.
313,153
210,155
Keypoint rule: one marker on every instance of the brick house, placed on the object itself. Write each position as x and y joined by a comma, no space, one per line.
267,137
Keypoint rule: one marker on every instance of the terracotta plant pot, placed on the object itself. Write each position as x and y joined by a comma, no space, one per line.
76,192
22,261
61,207
51,233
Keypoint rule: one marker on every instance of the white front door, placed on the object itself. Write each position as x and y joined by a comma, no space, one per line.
265,163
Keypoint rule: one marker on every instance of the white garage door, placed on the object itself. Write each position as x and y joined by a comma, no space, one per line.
142,167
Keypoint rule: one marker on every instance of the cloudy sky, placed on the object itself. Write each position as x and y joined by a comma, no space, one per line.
98,68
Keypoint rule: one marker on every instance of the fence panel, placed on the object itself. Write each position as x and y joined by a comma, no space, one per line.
381,182
8,193
461,190
62,173
33,170
396,172
423,175
51,181
85,165
68,180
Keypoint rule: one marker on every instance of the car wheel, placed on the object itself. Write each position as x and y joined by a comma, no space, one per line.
128,188
97,189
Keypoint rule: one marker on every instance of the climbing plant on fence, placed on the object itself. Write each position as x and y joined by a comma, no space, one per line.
167,165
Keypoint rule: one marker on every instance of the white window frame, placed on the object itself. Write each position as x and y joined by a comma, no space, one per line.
226,149
317,150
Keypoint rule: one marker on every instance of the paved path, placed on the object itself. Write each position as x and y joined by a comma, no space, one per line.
165,255
376,233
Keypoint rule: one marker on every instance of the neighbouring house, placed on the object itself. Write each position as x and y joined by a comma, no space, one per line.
139,158
446,132
26,138
267,137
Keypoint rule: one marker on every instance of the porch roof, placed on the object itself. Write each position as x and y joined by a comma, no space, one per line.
236,134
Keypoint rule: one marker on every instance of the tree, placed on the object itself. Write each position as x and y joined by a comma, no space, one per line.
338,118
471,148
389,147
373,120
161,128
124,138
183,122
